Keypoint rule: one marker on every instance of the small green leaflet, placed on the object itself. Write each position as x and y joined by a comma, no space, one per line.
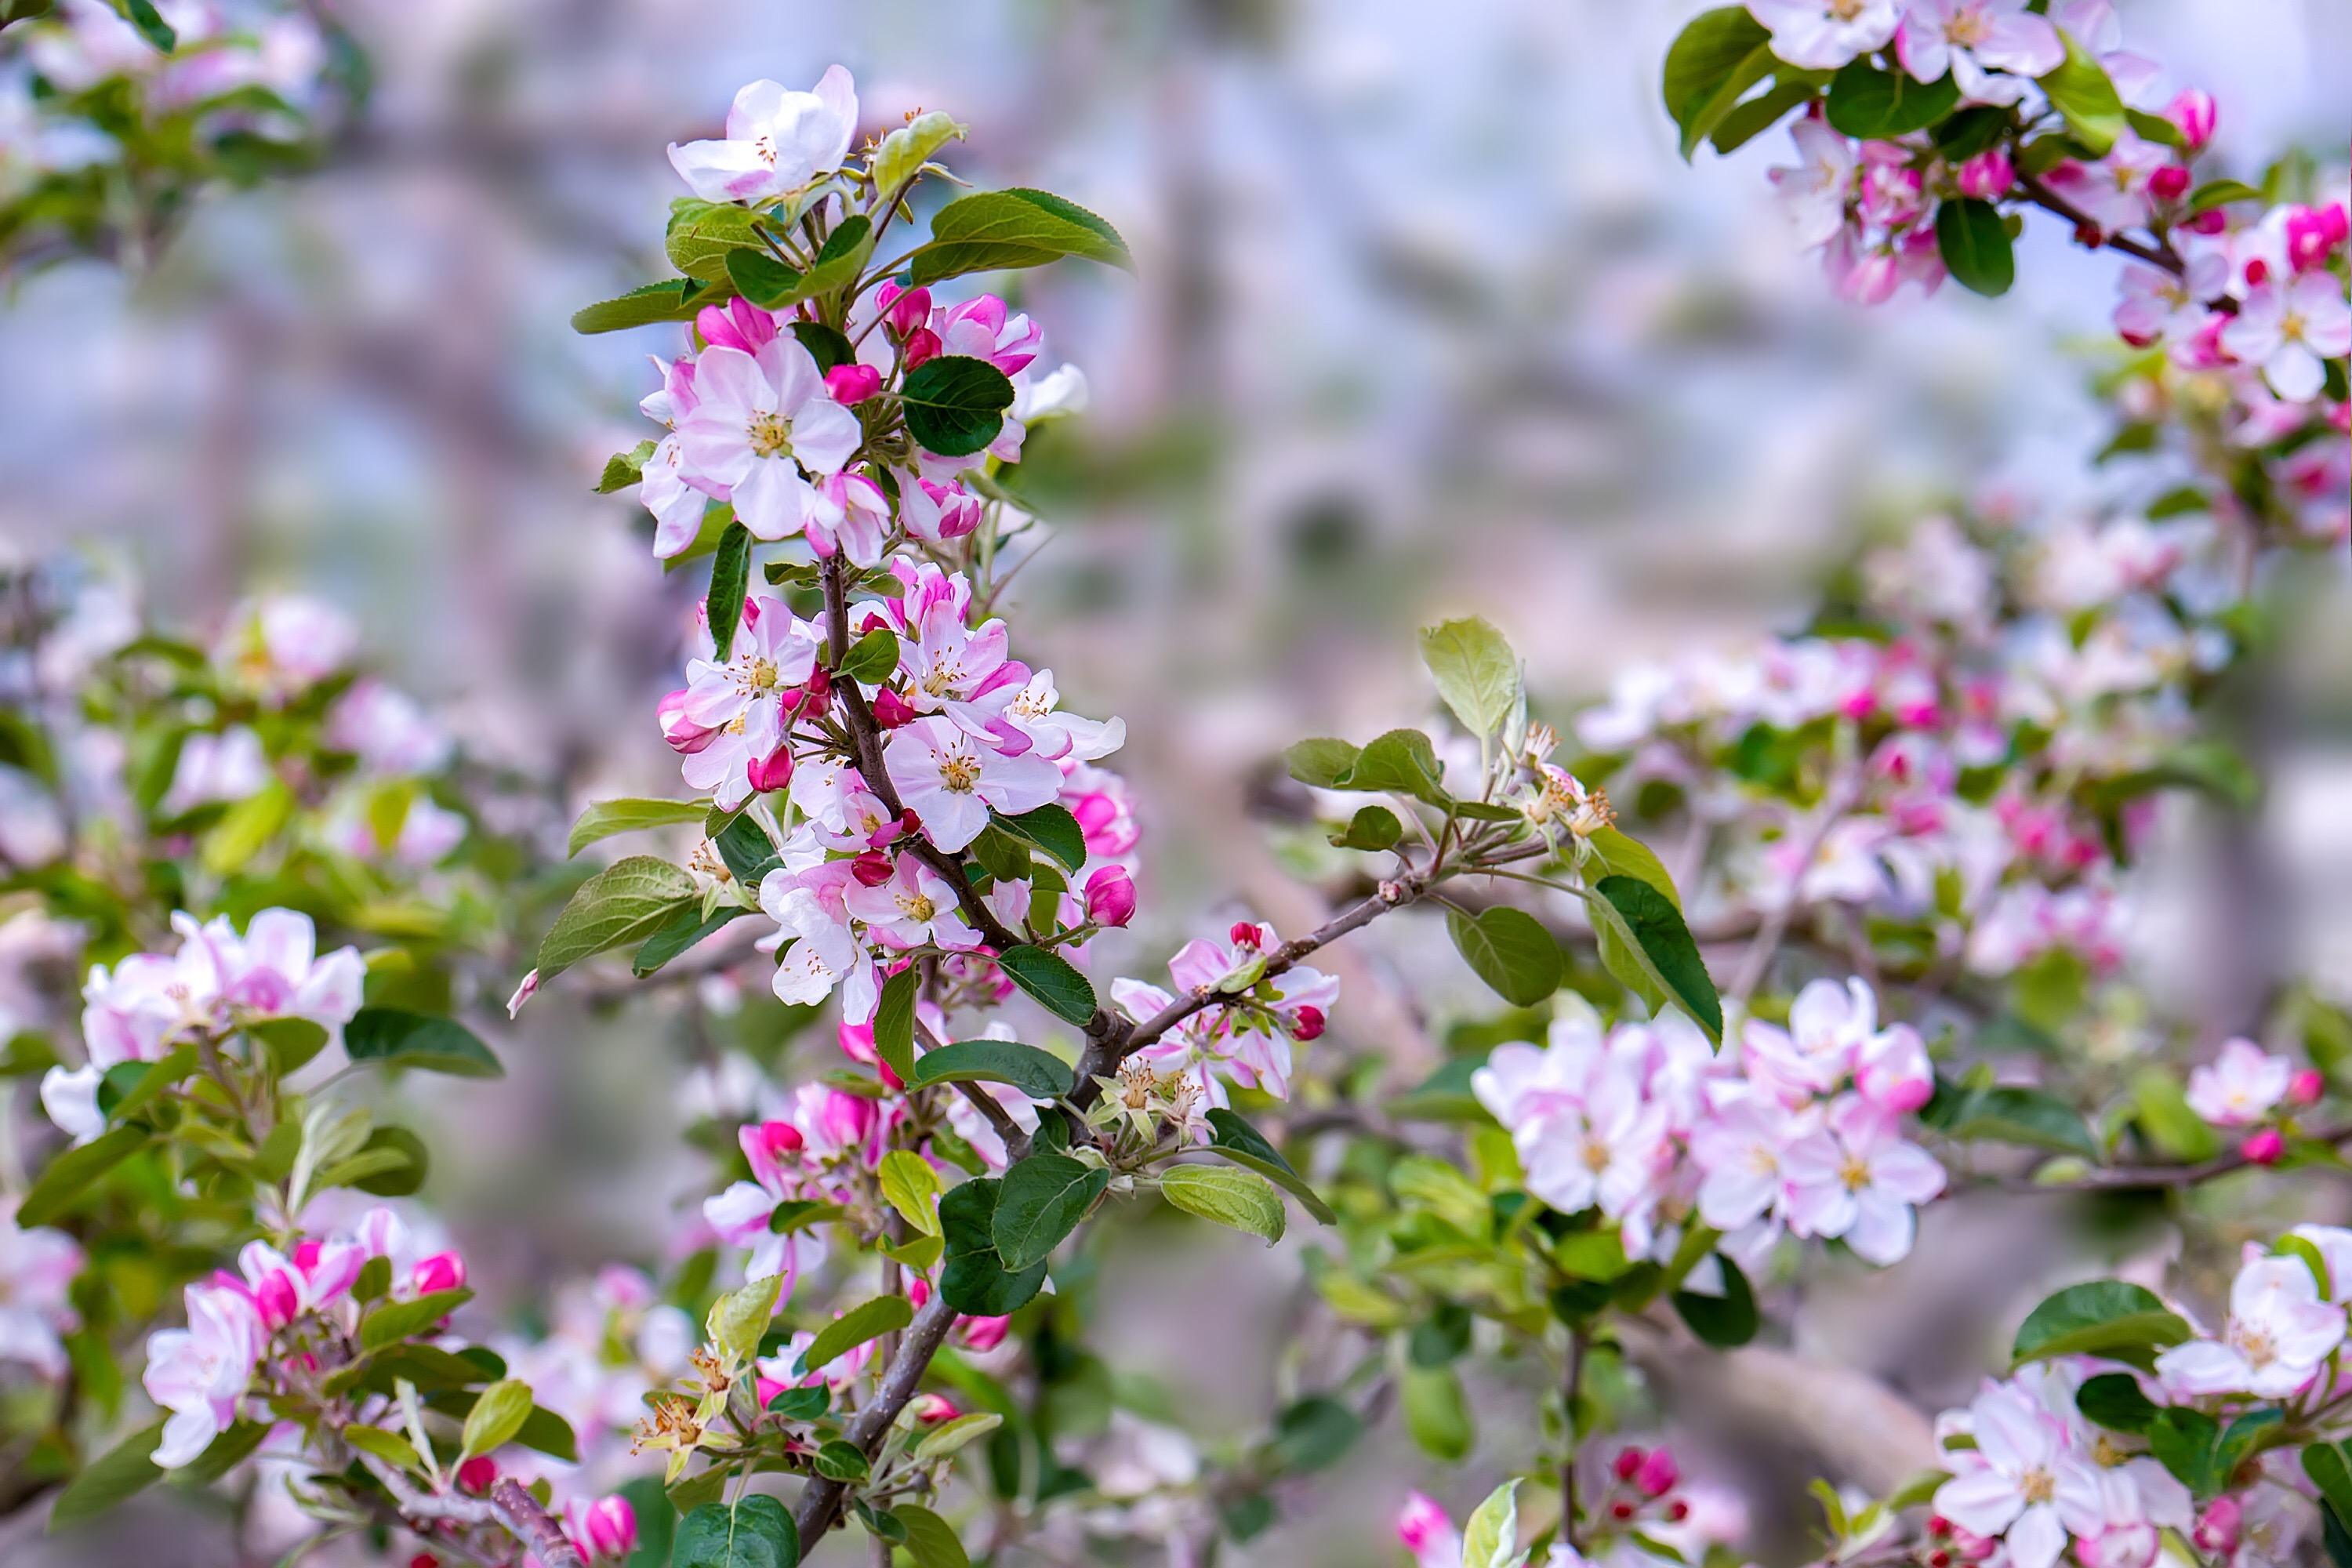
955,404
414,1040
871,1320
1037,1073
1241,1199
627,900
1010,228
1475,670
603,818
1510,951
731,573
1232,1137
1052,980
1041,1200
894,1024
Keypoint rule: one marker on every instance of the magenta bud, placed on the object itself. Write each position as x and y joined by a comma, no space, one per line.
1110,896
1658,1473
772,772
2192,114
1308,1024
852,384
890,710
2265,1146
441,1271
871,869
610,1526
1628,1461
922,344
1988,175
908,309
1243,935
2168,183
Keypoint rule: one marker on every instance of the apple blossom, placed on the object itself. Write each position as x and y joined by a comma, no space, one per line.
951,780
2241,1087
2021,1483
37,1266
2288,327
777,141
201,1372
1821,35
1853,1177
2278,1334
762,426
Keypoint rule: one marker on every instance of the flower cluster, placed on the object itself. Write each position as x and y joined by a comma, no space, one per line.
1642,1511
1796,1132
97,101
217,980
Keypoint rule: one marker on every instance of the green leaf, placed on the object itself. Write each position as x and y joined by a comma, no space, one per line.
114,1476
2221,192
882,1315
390,1447
2009,1113
701,234
894,1024
1436,1413
413,1040
1234,1139
397,1320
1623,856
2080,90
628,900
496,1416
730,574
912,1187
932,1541
2114,1400
247,828
1973,239
753,1532
680,933
1719,55
1037,1073
829,348
2329,1466
1240,1199
128,1086
1321,763
1313,1434
604,818
871,657
905,150
1373,828
1475,670
1491,1539
656,1522
761,278
1510,951
961,1432
2161,1107
739,1320
840,1461
973,1279
622,470
1052,980
1039,1200
1874,104
838,262
142,15
2102,1316
1725,1321
1017,227
223,1454
1051,828
802,1404
672,299
1752,117
1649,921
76,1169
1400,762
955,404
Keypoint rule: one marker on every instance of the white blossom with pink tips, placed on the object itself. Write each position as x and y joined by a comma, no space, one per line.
2023,1483
777,141
2278,1335
2239,1087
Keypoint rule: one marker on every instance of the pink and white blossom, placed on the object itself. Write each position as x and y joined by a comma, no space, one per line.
777,141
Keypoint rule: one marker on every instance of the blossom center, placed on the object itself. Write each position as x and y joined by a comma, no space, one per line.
958,772
916,907
1596,1155
771,434
2291,327
763,147
1847,10
2037,1485
1854,1172
2253,1344
1968,29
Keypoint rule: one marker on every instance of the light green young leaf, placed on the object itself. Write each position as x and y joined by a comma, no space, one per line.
496,1417
603,818
627,900
1475,670
1231,1196
912,1188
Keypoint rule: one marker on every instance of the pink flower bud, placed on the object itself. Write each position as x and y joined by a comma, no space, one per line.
772,772
931,1409
441,1271
2213,220
2306,1086
2218,1526
1242,934
475,1474
905,309
2258,272
871,869
1987,176
1307,1024
1422,1522
922,344
2311,233
919,1291
684,735
984,1333
2192,114
1628,1462
846,1118
2168,183
277,1298
2266,1146
777,1139
851,385
890,710
1659,1472
1110,896
610,1527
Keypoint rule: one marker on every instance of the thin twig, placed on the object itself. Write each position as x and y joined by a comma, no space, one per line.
521,1513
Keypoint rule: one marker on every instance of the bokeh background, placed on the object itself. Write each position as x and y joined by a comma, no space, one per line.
1429,318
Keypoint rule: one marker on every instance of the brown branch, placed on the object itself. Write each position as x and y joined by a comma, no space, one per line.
820,1502
534,1525
2141,1178
2160,254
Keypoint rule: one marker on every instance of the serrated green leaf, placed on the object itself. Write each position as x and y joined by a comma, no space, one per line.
1052,980
604,818
393,1038
989,230
868,1321
1240,1199
955,404
1510,951
626,901
1040,1200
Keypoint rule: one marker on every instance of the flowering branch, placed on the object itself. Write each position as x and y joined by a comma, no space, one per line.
534,1525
